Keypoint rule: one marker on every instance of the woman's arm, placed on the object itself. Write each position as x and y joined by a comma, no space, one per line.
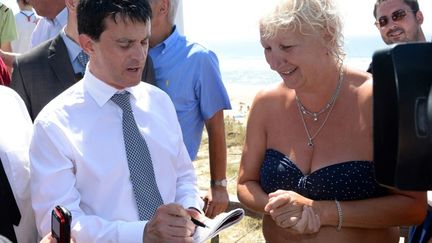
249,190
399,208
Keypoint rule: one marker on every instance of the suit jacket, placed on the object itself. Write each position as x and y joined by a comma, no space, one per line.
46,71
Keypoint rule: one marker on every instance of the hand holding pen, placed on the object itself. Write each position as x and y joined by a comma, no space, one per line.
198,223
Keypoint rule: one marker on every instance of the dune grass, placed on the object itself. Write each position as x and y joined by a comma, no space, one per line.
249,229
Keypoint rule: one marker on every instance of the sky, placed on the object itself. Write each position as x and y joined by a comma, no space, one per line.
206,20
237,20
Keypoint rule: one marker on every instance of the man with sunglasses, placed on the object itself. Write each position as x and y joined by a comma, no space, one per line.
399,21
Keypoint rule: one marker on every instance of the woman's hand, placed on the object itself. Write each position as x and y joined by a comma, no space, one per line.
283,209
309,222
293,212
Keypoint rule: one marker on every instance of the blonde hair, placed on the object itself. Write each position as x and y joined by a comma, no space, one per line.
310,17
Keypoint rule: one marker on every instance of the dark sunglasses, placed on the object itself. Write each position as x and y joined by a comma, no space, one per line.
396,16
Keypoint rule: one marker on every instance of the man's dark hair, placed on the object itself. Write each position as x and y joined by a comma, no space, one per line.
413,4
91,14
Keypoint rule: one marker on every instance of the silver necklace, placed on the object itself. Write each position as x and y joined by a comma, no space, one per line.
330,104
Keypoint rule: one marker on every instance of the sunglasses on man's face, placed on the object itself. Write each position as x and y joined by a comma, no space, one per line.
396,16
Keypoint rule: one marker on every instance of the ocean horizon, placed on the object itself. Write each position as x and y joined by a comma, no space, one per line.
242,63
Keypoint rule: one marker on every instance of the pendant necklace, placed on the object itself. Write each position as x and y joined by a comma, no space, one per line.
329,106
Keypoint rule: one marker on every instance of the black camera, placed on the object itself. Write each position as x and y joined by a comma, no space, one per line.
61,220
402,116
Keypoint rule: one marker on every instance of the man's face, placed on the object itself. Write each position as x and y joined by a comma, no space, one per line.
397,23
48,8
156,21
119,56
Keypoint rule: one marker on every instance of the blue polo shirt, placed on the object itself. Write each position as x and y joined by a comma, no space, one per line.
190,74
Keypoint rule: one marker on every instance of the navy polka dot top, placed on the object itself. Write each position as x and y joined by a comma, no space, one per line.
352,180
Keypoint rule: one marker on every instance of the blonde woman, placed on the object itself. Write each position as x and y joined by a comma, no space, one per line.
307,160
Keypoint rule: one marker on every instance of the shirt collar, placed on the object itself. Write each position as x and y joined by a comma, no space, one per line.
101,91
72,47
60,19
168,42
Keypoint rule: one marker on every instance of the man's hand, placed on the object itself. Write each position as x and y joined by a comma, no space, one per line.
8,58
50,239
216,201
171,223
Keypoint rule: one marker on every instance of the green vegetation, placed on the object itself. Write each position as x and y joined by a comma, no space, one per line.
235,132
249,229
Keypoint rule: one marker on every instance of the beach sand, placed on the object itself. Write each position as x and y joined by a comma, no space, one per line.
241,97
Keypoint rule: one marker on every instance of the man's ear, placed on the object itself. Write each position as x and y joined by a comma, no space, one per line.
71,4
86,43
419,17
164,6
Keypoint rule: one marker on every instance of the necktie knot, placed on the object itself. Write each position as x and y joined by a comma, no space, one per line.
83,58
122,100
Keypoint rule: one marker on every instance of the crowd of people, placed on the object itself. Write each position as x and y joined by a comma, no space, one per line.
107,103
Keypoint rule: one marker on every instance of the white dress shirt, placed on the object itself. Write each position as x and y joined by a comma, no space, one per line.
47,29
15,135
26,22
78,160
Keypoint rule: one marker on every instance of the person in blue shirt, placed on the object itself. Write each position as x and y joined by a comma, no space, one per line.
190,74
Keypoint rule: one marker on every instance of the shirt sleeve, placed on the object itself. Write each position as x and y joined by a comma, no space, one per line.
187,192
8,30
53,183
210,88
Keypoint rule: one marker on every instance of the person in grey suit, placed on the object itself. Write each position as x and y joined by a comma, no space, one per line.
52,67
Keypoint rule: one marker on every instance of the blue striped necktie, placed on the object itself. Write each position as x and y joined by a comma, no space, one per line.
142,175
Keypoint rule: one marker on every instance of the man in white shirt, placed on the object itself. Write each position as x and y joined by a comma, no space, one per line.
26,21
78,154
54,15
15,135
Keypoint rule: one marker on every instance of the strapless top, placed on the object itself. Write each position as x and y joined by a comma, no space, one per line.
351,180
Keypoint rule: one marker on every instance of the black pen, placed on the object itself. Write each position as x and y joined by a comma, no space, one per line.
198,223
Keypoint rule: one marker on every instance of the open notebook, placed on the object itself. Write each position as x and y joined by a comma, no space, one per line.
216,225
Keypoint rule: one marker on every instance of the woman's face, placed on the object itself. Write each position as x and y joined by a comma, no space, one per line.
294,56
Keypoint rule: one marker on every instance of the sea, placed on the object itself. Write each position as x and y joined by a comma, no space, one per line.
242,63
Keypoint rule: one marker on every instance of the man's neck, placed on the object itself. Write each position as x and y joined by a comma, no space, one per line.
26,8
56,13
71,30
161,36
422,37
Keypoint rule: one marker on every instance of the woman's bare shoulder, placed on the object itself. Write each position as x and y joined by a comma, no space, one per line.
360,81
269,100
271,93
358,77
